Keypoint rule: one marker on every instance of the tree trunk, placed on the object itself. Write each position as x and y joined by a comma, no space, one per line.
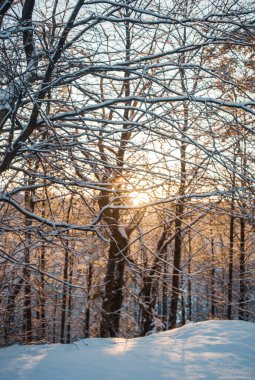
212,280
164,297
67,263
27,312
183,308
242,287
69,311
114,281
42,295
189,281
242,270
64,298
176,269
54,329
10,310
179,212
149,291
87,312
230,263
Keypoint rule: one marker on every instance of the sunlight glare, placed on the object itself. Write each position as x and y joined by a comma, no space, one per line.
139,199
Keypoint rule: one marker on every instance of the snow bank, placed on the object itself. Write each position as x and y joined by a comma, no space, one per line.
207,350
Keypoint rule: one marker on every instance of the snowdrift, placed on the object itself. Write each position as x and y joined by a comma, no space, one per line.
207,350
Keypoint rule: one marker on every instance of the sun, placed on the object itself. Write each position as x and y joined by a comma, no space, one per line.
139,199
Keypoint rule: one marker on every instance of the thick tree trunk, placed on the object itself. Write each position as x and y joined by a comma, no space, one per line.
114,281
150,288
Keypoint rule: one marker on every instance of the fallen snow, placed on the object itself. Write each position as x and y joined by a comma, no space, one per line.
206,350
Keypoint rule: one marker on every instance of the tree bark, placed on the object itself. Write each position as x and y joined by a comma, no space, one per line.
27,312
176,269
212,280
230,263
242,270
114,281
149,291
66,279
87,312
189,281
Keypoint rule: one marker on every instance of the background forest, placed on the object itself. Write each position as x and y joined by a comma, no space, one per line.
127,166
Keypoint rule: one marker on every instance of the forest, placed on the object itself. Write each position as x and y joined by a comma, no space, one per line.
127,160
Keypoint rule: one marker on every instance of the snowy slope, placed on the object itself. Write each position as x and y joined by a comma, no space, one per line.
207,350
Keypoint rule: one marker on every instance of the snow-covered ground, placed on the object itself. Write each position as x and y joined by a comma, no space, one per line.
207,350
